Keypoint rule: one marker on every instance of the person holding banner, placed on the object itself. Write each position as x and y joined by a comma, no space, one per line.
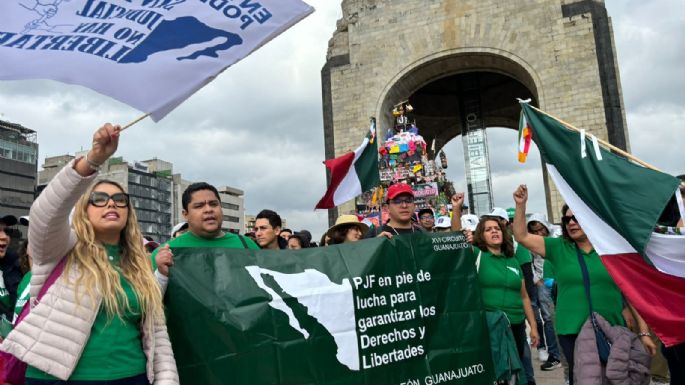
501,279
101,321
572,308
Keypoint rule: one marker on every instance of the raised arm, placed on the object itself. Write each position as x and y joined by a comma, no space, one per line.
530,315
50,235
532,242
457,203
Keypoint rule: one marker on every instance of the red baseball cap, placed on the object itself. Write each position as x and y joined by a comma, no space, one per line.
399,188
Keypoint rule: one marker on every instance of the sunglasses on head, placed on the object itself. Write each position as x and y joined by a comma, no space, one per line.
566,219
399,201
100,199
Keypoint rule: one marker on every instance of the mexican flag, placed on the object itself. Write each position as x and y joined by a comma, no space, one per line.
618,204
525,137
352,173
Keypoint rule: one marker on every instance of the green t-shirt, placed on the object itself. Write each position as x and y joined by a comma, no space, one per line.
523,255
572,308
22,294
188,239
500,283
114,349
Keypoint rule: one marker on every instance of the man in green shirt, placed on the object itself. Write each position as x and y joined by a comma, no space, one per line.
202,210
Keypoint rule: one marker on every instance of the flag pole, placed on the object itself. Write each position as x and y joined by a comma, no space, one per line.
603,142
135,121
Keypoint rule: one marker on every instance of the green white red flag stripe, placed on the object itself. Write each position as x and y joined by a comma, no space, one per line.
618,203
352,173
525,137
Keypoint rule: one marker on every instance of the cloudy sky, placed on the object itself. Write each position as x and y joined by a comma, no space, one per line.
258,126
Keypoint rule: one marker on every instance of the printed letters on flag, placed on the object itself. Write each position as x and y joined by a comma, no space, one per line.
149,54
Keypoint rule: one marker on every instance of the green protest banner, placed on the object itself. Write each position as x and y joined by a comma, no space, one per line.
405,311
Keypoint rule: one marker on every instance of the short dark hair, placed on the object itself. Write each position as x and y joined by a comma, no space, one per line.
199,186
300,238
274,219
24,265
286,231
564,231
425,211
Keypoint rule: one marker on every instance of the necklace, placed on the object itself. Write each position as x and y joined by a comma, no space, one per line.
397,233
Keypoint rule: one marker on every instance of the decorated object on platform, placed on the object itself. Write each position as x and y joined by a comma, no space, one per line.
129,50
403,158
381,311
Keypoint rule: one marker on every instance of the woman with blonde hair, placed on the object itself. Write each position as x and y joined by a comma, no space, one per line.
102,320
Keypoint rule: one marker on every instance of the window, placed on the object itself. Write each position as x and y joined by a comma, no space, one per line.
19,152
228,218
230,206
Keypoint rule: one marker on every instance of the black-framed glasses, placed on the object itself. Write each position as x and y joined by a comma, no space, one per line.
537,230
566,219
100,199
399,201
426,217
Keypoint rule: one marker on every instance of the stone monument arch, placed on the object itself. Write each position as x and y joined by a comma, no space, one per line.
462,61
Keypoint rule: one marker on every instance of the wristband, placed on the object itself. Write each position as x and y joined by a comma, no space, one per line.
92,165
645,334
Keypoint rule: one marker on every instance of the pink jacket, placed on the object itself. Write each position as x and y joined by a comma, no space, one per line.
53,335
628,363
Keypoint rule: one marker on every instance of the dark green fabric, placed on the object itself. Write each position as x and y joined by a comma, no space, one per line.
503,345
225,328
522,255
366,167
627,197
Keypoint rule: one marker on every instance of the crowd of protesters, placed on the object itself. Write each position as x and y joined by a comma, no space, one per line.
107,303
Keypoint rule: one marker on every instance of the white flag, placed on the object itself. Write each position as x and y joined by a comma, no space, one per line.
149,54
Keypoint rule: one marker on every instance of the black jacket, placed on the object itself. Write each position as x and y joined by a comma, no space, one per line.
11,274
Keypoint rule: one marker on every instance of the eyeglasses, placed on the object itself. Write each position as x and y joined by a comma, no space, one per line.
399,201
426,217
100,199
567,219
540,229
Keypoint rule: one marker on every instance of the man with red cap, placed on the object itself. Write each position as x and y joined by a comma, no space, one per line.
401,208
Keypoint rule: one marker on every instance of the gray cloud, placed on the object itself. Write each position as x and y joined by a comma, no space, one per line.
258,126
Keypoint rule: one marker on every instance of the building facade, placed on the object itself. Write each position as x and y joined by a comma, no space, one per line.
148,184
155,191
18,169
233,206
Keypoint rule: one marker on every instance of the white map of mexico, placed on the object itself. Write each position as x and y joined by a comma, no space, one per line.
331,304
